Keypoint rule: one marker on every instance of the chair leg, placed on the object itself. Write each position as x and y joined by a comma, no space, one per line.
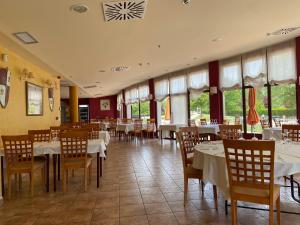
271,214
85,179
186,184
202,186
8,185
233,212
20,182
64,183
43,176
90,173
278,210
215,196
32,184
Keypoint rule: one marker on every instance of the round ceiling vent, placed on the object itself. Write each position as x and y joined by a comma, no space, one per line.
79,8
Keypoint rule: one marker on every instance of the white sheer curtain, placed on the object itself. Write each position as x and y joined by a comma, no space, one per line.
127,97
179,111
134,95
119,101
255,68
143,92
178,85
198,80
230,74
282,63
161,89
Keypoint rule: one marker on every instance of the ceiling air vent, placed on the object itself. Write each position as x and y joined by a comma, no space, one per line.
25,37
124,10
283,31
91,86
119,69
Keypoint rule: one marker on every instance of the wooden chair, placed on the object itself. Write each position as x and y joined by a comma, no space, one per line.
192,123
277,122
293,131
55,132
151,129
203,122
74,155
40,135
187,138
250,166
19,157
225,122
151,120
112,127
264,123
138,128
237,120
230,131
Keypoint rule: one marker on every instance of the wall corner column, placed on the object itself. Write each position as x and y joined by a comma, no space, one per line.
124,105
215,100
73,93
153,103
298,77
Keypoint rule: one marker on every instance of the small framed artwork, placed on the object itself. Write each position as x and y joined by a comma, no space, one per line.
51,98
34,100
104,104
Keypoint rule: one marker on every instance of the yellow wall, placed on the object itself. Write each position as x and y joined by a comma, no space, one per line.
13,119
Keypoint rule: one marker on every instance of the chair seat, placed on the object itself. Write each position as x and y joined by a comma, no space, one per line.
78,163
193,173
38,164
256,193
189,160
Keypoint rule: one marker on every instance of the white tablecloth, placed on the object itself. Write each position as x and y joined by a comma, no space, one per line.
43,148
104,135
272,131
210,157
127,127
166,128
209,129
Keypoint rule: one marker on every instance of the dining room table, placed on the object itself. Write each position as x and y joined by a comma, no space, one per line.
95,147
272,133
210,158
169,130
209,129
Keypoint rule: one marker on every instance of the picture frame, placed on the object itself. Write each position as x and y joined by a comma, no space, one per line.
104,104
34,99
51,98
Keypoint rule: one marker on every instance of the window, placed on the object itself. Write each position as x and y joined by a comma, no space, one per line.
135,112
199,106
145,110
233,105
179,114
284,103
163,111
161,89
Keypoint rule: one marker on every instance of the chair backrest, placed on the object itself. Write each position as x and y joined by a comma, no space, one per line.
40,135
225,122
74,144
55,132
293,131
18,149
237,120
151,120
192,123
188,137
277,122
150,127
203,122
250,164
264,123
230,131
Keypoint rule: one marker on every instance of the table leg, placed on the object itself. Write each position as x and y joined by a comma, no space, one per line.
161,136
293,189
98,167
47,173
54,172
2,176
58,167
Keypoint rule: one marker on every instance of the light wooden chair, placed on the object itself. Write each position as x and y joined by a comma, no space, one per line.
250,167
112,127
203,122
188,138
293,131
19,157
237,120
40,135
137,129
151,120
277,122
55,132
225,122
74,155
192,123
150,130
230,131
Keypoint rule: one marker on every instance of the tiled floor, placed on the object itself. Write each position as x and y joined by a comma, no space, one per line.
142,185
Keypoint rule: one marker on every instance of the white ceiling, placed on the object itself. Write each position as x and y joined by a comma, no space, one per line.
77,46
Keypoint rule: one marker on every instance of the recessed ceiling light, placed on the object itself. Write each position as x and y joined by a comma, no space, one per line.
102,71
185,2
97,82
216,39
79,8
119,68
148,64
158,46
283,31
195,58
25,37
188,64
140,64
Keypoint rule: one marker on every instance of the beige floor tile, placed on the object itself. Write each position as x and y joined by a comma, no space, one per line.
134,220
132,210
162,219
155,208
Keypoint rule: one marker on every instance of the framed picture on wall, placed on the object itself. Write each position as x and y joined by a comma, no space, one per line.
104,104
34,100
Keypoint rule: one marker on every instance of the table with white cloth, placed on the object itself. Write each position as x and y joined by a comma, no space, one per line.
209,129
127,127
168,130
46,149
272,132
104,135
210,157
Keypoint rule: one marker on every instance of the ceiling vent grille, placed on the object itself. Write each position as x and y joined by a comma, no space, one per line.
283,31
91,86
124,10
